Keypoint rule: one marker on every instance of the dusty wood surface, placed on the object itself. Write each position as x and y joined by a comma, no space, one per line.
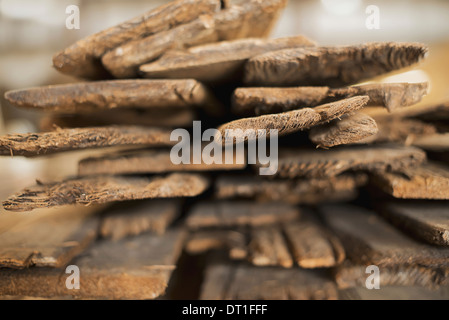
368,239
273,100
105,189
112,94
312,245
287,122
269,248
131,219
307,191
136,268
60,140
239,213
82,59
332,66
49,238
242,282
329,163
234,241
170,117
124,61
350,275
429,181
426,220
217,62
146,161
349,129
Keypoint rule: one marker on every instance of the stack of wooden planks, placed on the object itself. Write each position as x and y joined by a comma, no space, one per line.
351,189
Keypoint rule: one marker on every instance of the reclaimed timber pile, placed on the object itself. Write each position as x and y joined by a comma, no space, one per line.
351,189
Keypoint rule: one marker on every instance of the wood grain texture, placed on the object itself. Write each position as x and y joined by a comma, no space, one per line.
82,59
351,128
60,140
244,282
268,247
297,191
146,161
296,163
50,239
217,62
264,100
332,66
239,213
368,239
428,181
286,122
135,268
105,189
131,219
113,94
425,220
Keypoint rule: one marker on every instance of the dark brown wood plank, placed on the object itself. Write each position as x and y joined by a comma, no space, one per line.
351,128
329,163
146,161
113,94
332,66
263,100
82,58
131,219
428,181
426,220
48,238
135,268
217,62
239,213
105,189
60,140
368,239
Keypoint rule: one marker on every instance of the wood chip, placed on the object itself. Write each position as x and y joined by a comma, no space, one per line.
304,191
273,100
312,245
429,181
333,66
48,238
60,140
131,219
426,220
113,94
136,268
170,117
239,213
434,142
350,275
105,189
82,59
368,239
244,282
146,161
217,62
269,248
124,61
350,129
329,163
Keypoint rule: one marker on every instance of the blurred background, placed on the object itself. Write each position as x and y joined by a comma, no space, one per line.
31,31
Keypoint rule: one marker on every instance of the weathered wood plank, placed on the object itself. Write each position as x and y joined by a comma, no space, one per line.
428,181
239,213
332,66
329,163
49,239
135,268
82,59
105,189
113,94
